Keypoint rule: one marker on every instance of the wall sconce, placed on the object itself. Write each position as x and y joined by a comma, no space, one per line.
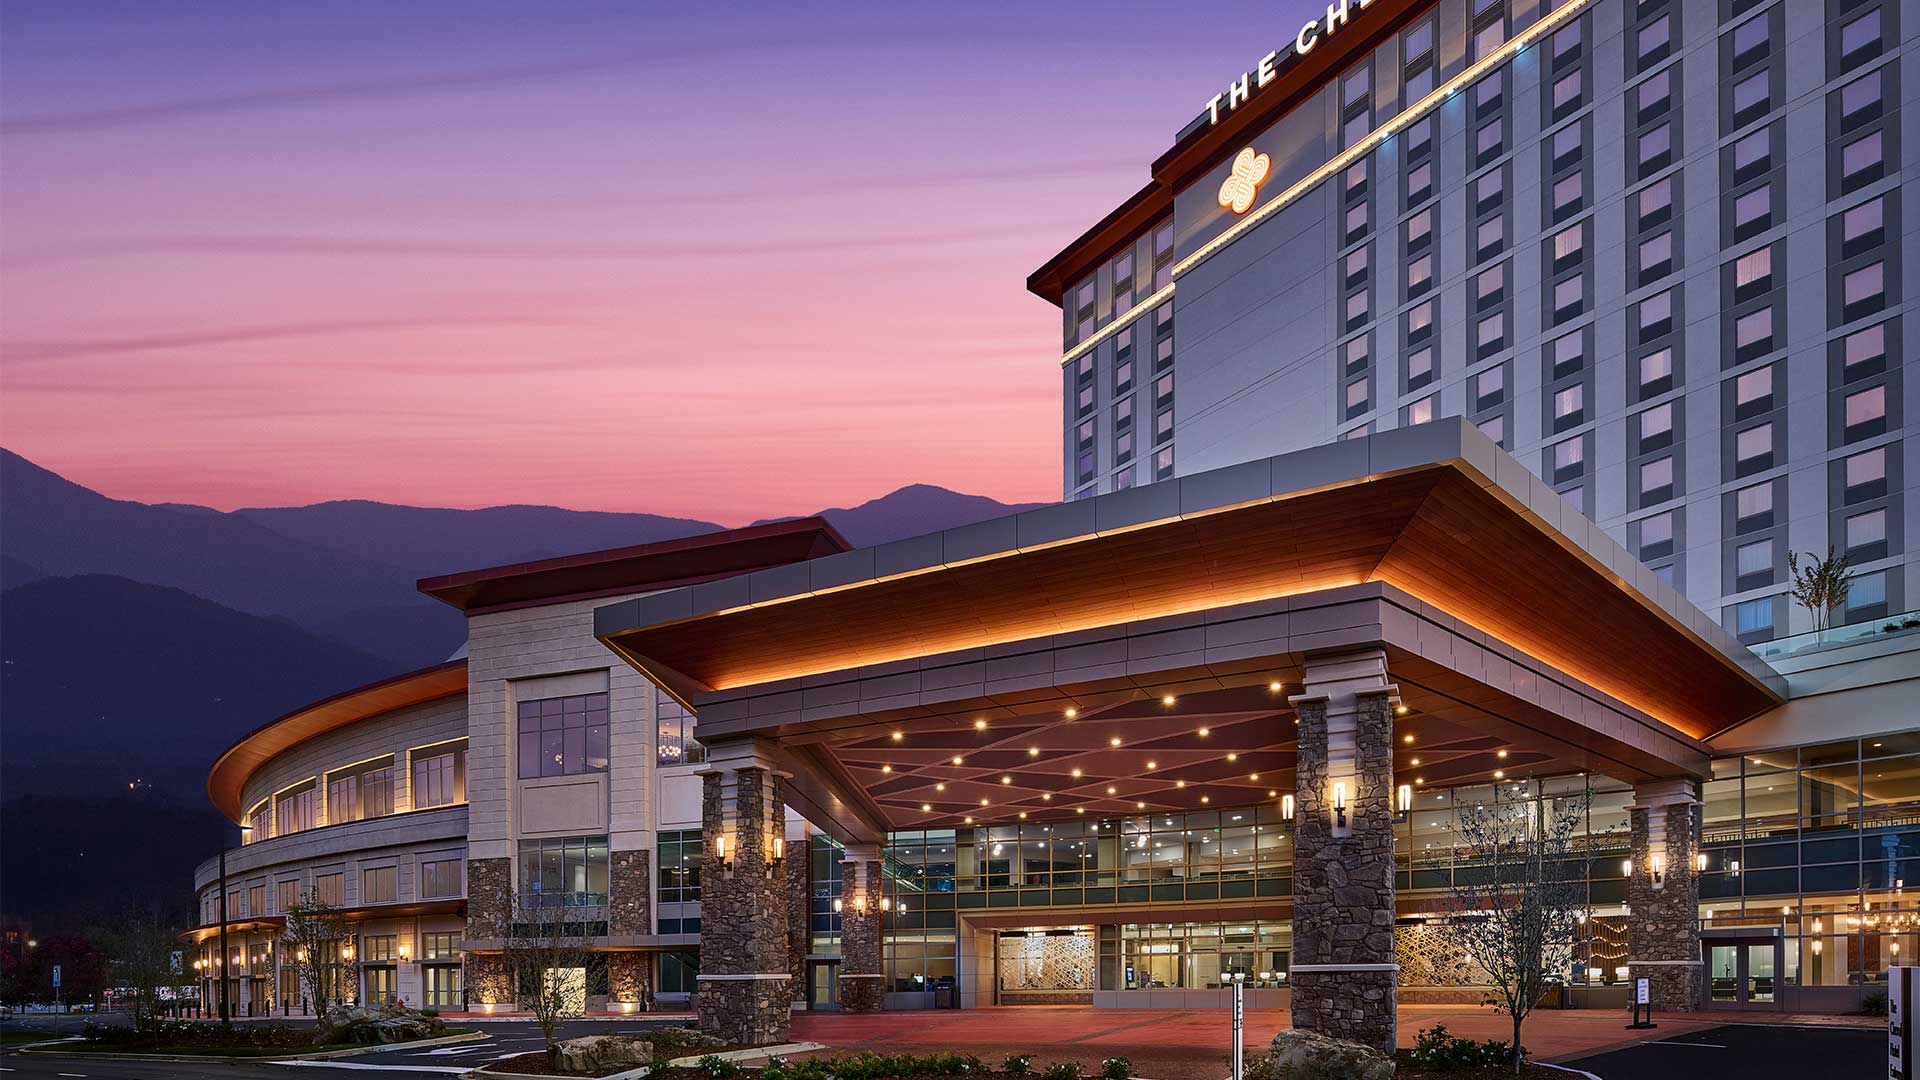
1734,867
1659,870
1340,826
1286,807
1816,946
837,905
1626,867
406,952
886,904
1405,801
1896,948
1700,862
720,852
779,856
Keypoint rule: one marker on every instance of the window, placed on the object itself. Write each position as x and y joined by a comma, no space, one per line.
1656,147
1489,387
256,900
1656,535
1419,181
1420,412
1491,234
1656,255
1569,296
1752,211
439,877
1753,617
380,885
1489,284
259,822
1753,507
1420,321
1567,245
1488,191
440,945
288,895
679,971
1567,194
1569,405
1656,314
1656,478
1356,352
563,736
1163,463
1867,534
327,889
1656,426
1754,560
1653,40
1860,39
1753,392
1567,90
1866,474
1750,97
1654,202
1490,334
1358,394
1864,352
1864,291
1419,368
1749,40
1356,220
1489,38
1867,597
378,948
1862,227
1753,154
1419,274
1656,371
1494,428
1487,142
1860,161
676,744
679,857
1752,273
1569,456
1753,333
1753,448
1866,412
440,775
1568,354
1653,96
361,791
1419,229
564,872
1860,101
296,810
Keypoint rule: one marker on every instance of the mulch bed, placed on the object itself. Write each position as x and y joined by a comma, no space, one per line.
1528,1071
535,1064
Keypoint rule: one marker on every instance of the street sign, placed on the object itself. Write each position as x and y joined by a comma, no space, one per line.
56,976
1900,1046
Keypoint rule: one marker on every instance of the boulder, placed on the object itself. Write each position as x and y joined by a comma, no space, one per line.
1308,1055
595,1053
678,1042
385,1024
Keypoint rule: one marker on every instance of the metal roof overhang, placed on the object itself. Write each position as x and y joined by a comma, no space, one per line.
1437,511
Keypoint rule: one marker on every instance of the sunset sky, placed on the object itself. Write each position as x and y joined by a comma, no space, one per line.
715,260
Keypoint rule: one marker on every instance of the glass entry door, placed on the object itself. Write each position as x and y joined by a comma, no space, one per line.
823,985
1742,973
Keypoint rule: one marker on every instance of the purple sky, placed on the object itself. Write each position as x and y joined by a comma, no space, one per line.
719,260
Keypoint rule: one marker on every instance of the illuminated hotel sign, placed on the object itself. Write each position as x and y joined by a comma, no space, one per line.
1249,172
1238,91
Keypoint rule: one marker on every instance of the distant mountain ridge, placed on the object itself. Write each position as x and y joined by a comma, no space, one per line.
346,569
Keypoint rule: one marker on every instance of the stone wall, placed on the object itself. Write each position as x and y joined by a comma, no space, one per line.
630,893
486,981
799,879
1343,898
630,978
1663,926
862,989
489,898
743,995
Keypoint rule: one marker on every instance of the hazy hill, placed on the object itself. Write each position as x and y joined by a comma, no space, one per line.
913,510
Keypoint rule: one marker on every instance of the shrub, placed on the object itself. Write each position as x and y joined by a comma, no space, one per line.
718,1068
1116,1068
1874,1003
678,1042
1061,1070
1017,1064
1438,1049
429,1012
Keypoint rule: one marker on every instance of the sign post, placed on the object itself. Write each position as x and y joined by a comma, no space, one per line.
1642,1005
1900,1048
1239,1024
57,1002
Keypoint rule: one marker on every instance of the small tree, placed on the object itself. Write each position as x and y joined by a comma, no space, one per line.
142,956
314,944
1822,585
545,958
1516,906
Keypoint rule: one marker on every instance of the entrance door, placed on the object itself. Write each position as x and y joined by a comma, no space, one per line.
1742,973
823,985
380,985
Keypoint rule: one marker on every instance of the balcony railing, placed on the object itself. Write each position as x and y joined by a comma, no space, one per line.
1907,622
576,900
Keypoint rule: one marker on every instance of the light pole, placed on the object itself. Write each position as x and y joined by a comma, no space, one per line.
226,1012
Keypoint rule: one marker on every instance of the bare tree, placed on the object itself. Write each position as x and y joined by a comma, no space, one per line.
316,944
1518,891
545,960
143,956
1822,585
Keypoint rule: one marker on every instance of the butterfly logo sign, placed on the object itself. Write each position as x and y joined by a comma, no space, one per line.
1250,170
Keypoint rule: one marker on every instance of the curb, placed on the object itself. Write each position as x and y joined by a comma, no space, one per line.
204,1059
684,1062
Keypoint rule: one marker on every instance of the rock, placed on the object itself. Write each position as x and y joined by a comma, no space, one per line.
594,1053
677,1042
1307,1055
387,1024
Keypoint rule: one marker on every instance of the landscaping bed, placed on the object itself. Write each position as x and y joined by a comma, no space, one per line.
1528,1071
535,1064
202,1039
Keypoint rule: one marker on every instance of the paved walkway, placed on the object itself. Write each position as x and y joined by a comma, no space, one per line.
1194,1044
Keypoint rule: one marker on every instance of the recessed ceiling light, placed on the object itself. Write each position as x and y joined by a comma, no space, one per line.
1499,774
1271,794
1046,796
886,768
926,806
1179,783
957,759
1071,713
1502,755
966,820
939,787
1167,700
1419,780
979,725
1206,798
1115,741
1023,815
1110,791
898,735
1076,774
1413,761
1152,764
1006,779
1406,738
1079,809
1233,757
1204,732
1139,806
1253,776
983,802
1273,686
1033,751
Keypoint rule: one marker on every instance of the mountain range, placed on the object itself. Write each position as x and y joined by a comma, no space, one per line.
137,640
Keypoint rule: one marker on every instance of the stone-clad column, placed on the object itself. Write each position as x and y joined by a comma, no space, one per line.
1344,979
1663,913
862,985
743,995
799,874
